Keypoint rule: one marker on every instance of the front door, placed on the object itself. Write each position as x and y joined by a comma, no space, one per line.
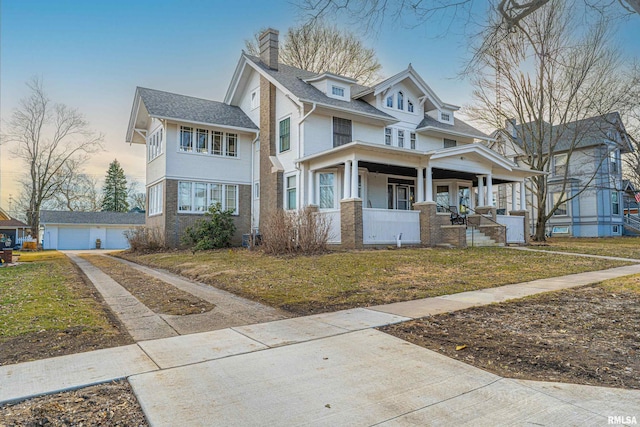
400,196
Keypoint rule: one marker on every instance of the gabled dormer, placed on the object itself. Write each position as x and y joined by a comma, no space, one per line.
333,85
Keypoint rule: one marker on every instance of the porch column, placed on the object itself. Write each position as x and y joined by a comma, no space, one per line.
481,199
489,190
312,187
514,205
354,179
523,199
429,185
420,185
346,184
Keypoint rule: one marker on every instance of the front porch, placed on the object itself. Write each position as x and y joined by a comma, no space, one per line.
374,195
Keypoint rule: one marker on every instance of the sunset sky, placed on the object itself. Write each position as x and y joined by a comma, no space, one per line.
91,55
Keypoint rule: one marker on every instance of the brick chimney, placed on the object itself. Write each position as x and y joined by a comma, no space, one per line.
269,48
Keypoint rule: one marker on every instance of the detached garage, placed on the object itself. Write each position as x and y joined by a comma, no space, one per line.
82,230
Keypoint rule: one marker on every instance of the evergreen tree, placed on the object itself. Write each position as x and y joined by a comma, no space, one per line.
114,192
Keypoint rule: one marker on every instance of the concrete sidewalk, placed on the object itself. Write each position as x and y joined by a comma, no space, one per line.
328,369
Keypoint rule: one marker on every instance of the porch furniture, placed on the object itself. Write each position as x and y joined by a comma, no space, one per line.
457,218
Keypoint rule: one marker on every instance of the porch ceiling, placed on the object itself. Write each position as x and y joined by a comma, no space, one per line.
413,173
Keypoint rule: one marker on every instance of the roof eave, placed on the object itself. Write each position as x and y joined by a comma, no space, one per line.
178,119
451,132
235,79
385,118
133,116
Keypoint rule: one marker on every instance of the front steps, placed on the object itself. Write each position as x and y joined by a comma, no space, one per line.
476,238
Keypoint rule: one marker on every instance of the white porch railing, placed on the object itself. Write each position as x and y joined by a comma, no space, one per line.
382,226
515,227
333,219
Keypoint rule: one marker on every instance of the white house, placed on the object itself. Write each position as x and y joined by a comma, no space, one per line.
381,161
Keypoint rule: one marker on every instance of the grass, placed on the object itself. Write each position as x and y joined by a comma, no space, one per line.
339,280
46,293
622,247
629,284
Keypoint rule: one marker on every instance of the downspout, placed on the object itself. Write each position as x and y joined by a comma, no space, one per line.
253,155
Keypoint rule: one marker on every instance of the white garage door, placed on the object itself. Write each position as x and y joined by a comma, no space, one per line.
73,238
116,239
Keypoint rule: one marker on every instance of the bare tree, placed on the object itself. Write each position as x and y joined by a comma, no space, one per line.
77,191
549,85
46,137
319,47
371,14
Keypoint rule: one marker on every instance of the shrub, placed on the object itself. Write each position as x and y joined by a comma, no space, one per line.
294,232
143,239
214,231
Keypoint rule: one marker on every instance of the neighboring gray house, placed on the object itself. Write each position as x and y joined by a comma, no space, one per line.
81,230
588,153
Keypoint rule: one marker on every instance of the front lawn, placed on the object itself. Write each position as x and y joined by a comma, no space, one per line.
46,309
340,280
622,247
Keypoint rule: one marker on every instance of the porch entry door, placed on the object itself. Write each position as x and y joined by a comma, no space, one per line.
401,195
464,198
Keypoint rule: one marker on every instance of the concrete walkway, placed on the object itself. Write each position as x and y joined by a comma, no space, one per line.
328,369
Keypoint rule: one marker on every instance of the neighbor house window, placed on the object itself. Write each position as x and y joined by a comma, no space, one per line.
255,98
412,140
400,138
445,117
285,134
337,91
400,103
341,131
388,136
615,203
409,106
216,148
202,137
450,143
197,197
155,199
562,207
290,191
560,164
232,145
613,158
390,101
326,190
186,138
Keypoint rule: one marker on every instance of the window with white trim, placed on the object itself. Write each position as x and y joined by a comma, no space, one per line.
400,103
341,131
388,136
450,143
186,138
290,192
390,101
337,91
155,199
409,106
255,99
202,141
154,144
217,138
562,207
400,138
326,190
445,117
613,158
231,145
196,197
560,164
285,134
412,140
615,203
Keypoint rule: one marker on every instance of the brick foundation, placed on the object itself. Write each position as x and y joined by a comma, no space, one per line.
351,223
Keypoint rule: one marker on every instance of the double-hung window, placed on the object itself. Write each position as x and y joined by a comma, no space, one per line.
155,199
202,138
341,131
560,164
232,145
400,103
615,204
412,140
562,207
285,134
613,158
400,138
290,191
186,138
326,190
216,138
388,136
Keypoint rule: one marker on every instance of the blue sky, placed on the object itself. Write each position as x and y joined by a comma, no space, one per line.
92,54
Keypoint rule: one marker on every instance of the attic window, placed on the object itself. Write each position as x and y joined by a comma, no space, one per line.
255,98
409,106
445,117
337,91
390,101
400,101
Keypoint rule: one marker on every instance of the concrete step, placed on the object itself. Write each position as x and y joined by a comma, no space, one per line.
477,238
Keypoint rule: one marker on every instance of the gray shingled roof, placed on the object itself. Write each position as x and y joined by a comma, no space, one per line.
181,107
102,218
459,127
583,133
293,79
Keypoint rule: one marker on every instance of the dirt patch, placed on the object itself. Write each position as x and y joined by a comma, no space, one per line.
587,335
112,404
159,296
